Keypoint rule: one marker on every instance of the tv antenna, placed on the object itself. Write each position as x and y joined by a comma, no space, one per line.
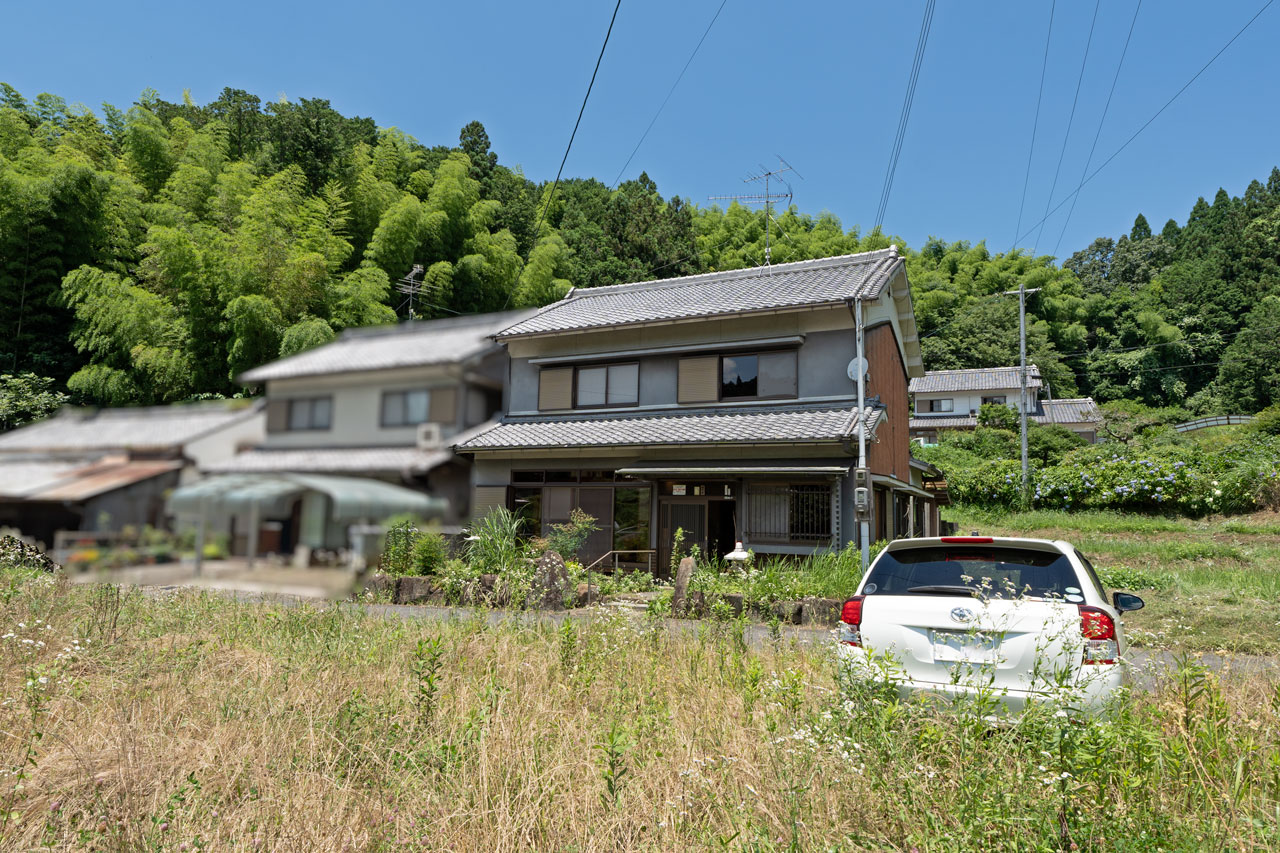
768,197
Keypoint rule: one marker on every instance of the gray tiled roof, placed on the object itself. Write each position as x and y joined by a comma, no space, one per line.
980,379
332,460
818,282
1080,410
149,428
736,426
412,344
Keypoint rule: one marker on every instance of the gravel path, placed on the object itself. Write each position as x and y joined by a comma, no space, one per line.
1149,666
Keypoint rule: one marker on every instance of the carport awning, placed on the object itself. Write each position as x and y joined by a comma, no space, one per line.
732,470
352,498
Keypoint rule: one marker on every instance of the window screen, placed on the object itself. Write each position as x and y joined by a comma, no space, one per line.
405,408
592,382
777,374
624,384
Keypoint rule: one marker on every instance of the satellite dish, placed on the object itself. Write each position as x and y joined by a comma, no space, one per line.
857,367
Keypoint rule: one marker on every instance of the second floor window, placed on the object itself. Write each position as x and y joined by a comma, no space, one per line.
939,405
993,401
758,376
405,408
310,413
609,385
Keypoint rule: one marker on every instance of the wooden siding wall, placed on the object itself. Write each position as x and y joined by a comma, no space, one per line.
891,452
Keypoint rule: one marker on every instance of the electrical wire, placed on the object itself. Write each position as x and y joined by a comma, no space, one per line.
1149,121
1070,120
583,109
1035,124
670,92
908,99
1098,133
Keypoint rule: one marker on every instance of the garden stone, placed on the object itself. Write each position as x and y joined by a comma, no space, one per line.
550,582
379,585
16,552
736,601
585,594
821,611
787,611
414,590
679,600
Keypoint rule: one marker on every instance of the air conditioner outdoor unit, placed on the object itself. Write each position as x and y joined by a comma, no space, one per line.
430,437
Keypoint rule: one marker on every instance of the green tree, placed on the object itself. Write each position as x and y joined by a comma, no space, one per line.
26,397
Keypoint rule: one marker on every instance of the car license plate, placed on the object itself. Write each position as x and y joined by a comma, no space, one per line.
969,646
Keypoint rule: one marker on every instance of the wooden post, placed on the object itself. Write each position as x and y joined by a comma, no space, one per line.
254,524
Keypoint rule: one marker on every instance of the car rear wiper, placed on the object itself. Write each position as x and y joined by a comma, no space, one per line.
944,589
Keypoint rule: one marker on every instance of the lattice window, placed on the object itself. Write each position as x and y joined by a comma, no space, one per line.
798,513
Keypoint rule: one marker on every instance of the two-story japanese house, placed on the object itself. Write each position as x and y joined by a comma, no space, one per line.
723,405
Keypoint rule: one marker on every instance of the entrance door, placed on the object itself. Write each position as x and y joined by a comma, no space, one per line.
597,503
676,514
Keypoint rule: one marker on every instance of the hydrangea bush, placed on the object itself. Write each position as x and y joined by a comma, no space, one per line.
1159,478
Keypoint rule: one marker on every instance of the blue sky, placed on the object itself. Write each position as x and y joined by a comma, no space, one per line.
820,83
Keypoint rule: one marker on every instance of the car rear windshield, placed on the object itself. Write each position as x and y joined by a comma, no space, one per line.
994,571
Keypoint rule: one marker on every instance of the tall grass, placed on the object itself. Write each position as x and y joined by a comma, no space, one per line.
1089,521
187,721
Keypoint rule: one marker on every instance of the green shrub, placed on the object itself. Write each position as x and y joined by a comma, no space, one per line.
397,549
1267,421
430,552
565,539
1127,577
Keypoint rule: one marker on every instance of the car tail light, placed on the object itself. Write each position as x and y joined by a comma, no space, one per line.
966,540
851,622
1099,631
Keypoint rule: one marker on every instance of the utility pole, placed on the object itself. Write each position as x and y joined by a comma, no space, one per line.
1022,292
1022,392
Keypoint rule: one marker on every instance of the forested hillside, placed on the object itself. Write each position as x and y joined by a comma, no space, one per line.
150,255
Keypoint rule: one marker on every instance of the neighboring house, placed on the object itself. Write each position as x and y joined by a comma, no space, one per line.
718,404
382,403
951,399
87,469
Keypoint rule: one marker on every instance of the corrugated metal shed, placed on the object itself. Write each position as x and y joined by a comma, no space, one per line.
144,428
77,480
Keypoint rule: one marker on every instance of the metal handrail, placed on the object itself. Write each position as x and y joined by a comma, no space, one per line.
1212,421
623,551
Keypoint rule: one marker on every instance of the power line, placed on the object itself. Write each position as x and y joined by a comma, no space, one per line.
913,78
1089,160
1035,124
1148,369
670,92
582,110
1149,121
1070,120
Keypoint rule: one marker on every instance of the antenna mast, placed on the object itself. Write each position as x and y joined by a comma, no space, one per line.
768,197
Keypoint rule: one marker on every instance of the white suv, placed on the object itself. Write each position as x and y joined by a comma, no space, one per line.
1013,620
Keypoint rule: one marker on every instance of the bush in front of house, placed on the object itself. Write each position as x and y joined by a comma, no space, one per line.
430,551
566,539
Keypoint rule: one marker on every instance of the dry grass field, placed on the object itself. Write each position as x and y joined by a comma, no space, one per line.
1210,585
192,722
